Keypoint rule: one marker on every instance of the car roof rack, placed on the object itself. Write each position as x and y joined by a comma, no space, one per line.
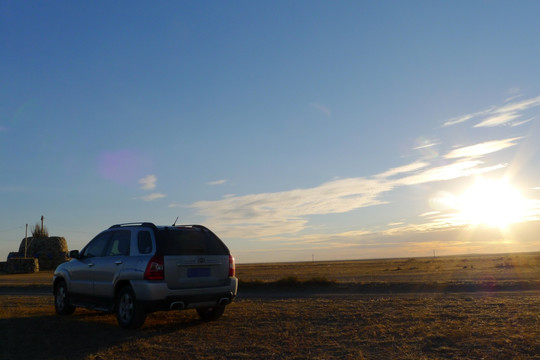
141,224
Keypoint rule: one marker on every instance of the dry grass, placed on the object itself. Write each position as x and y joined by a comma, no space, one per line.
500,267
468,268
317,325
503,326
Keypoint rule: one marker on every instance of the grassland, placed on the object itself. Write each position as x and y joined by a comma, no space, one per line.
471,324
499,267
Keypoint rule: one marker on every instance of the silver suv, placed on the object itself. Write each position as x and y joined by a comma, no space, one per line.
137,268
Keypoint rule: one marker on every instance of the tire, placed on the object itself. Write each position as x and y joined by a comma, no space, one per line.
211,313
129,312
62,303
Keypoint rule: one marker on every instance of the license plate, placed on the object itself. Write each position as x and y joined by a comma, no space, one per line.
198,272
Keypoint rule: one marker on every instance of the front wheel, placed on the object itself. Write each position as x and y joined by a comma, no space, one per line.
211,313
129,312
62,304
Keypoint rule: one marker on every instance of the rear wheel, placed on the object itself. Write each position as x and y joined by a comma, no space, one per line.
62,304
211,313
129,312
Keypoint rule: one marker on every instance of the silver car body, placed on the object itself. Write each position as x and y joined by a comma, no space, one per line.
193,276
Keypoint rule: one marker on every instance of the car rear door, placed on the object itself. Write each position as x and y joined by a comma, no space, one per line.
194,258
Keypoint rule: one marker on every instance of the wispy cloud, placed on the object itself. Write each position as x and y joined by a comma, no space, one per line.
482,148
152,197
287,212
217,182
507,113
463,118
448,172
148,182
403,169
321,108
498,119
520,106
498,115
426,146
458,120
284,217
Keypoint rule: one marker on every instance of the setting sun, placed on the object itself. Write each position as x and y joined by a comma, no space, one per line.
491,202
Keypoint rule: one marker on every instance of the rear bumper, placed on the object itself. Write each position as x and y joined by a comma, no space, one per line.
157,296
188,302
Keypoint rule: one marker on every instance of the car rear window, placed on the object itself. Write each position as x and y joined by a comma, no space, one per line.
144,242
191,241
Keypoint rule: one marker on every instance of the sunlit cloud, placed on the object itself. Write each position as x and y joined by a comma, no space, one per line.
497,116
430,214
518,123
425,146
507,113
403,169
498,120
284,217
513,97
285,212
519,106
467,117
458,120
448,172
217,182
148,182
482,148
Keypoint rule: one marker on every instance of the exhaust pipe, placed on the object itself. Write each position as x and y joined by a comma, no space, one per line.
224,301
177,305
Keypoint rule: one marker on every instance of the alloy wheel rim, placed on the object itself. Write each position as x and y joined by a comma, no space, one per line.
61,298
126,307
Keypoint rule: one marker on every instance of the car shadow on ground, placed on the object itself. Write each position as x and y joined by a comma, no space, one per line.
78,335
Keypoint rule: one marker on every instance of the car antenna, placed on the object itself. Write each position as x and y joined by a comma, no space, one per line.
175,221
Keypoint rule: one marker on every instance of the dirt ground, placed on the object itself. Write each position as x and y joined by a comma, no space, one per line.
278,326
337,320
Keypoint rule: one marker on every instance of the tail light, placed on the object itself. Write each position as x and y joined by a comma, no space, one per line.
232,266
155,270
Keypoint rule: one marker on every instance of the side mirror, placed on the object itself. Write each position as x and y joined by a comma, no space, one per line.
74,254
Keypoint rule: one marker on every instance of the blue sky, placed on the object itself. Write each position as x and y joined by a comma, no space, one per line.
333,130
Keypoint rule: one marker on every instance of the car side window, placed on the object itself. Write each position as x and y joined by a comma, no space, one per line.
120,243
97,246
144,242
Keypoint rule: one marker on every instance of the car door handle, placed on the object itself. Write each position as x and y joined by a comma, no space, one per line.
90,264
118,262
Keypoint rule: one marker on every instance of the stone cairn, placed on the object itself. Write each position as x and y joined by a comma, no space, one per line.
49,251
18,265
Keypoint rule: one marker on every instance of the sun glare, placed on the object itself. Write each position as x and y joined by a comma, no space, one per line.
493,203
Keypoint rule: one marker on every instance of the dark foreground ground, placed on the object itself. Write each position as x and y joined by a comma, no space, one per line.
269,325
